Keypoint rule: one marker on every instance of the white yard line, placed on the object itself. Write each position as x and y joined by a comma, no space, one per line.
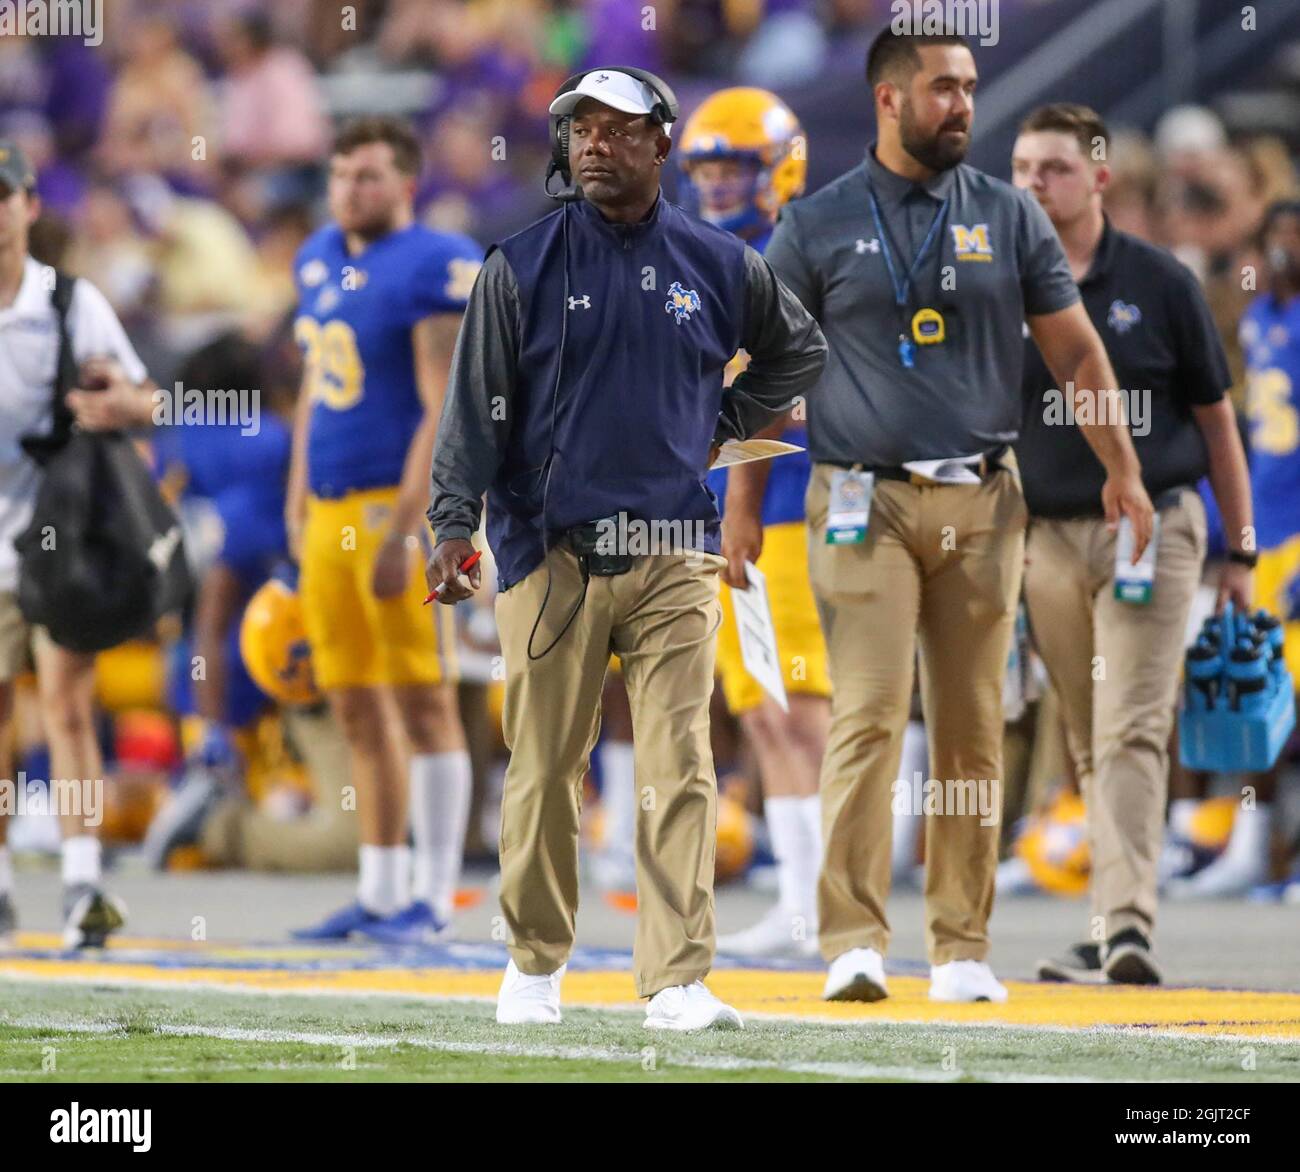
366,1041
57,1026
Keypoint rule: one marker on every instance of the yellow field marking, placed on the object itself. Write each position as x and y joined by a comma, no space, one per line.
1205,1012
300,953
54,941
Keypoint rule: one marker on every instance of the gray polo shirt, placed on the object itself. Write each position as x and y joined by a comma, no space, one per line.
995,258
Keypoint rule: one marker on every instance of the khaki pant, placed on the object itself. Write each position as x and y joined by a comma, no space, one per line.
662,619
1115,667
942,562
18,639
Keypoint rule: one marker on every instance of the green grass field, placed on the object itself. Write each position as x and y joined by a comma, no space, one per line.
99,1033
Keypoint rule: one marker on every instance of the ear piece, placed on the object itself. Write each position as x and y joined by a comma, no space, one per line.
562,135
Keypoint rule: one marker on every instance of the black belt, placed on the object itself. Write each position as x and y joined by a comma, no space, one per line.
1169,498
988,465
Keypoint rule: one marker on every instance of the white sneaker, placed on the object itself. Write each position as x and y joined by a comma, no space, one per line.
529,1000
779,933
965,980
1225,878
856,975
690,1007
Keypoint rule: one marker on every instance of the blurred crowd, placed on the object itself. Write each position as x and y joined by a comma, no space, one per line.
182,163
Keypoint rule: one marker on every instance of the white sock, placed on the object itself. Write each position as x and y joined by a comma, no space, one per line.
6,871
81,860
915,756
810,814
384,885
810,809
1250,833
440,792
618,795
1181,812
915,759
786,828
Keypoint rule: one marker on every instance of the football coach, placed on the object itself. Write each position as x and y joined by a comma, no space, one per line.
921,271
586,398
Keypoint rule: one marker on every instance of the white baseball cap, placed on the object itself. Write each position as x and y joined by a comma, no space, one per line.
612,88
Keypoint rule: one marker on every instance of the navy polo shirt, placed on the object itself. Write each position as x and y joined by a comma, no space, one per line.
1168,358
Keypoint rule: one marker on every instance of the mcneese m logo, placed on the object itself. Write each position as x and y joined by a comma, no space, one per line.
681,302
971,243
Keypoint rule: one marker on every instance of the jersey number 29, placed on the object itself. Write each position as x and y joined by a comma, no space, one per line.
335,375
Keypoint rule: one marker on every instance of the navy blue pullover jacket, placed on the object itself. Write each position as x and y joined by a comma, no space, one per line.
647,316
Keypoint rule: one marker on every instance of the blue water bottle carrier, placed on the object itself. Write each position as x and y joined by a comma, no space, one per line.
1238,697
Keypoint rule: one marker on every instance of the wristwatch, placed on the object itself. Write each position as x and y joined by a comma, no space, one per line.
1242,558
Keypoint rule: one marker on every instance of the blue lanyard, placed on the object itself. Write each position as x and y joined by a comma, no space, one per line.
906,347
902,287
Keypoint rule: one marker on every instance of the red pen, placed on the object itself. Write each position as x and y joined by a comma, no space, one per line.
464,568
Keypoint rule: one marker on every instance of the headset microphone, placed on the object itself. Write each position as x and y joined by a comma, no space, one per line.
570,194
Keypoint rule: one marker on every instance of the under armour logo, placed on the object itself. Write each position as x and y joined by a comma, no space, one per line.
584,301
860,246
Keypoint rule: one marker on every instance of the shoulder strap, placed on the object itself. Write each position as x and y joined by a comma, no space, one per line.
66,372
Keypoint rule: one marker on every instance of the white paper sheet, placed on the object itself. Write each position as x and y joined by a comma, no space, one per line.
758,635
742,451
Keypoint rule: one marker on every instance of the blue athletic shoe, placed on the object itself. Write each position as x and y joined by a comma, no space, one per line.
417,923
341,925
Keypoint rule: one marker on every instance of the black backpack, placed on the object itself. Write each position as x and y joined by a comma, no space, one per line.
102,559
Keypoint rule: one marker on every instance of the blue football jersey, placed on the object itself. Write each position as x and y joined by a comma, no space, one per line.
787,479
354,326
1270,340
244,475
